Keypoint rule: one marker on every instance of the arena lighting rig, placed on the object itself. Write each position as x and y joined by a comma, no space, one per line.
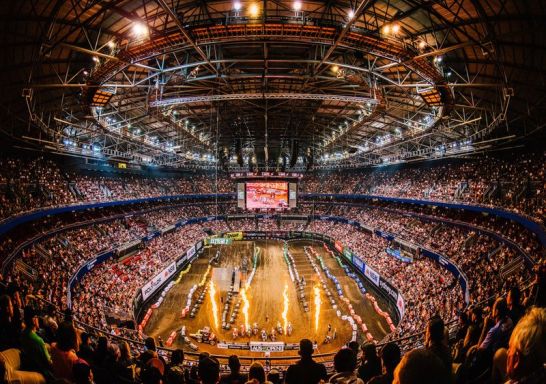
372,84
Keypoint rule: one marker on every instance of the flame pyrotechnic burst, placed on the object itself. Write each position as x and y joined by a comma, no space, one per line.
318,301
212,293
246,306
285,308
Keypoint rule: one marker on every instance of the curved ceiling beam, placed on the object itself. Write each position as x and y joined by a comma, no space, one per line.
260,96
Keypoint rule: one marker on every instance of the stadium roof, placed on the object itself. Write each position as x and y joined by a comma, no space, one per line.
272,83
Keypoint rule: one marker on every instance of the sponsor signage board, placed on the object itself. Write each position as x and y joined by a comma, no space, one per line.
371,274
151,286
273,346
389,289
359,264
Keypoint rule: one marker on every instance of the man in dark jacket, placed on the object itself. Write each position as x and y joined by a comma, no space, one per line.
306,371
235,376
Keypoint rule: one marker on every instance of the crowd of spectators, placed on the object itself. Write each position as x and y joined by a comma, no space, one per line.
517,184
108,290
28,184
496,340
501,343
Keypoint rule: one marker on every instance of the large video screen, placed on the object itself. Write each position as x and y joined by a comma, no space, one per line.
266,195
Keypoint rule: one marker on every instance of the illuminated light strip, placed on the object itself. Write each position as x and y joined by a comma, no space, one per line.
212,294
182,273
285,308
260,96
318,302
204,279
246,306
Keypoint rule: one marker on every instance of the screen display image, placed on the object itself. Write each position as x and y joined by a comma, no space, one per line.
266,195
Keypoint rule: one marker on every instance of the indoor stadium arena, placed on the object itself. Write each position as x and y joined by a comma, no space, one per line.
273,191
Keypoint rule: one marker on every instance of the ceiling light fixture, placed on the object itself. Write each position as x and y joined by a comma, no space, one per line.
139,29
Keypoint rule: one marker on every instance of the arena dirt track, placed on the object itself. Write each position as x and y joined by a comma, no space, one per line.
266,301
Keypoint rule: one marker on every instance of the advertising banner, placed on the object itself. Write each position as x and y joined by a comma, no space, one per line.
359,264
338,246
190,252
180,261
371,274
256,346
234,235
400,305
150,287
389,289
219,241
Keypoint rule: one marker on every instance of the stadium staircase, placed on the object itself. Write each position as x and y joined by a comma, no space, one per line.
21,266
490,191
470,240
511,267
461,189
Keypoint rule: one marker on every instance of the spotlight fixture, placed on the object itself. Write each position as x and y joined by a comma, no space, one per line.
351,14
386,29
111,44
237,6
395,28
422,44
297,6
139,29
254,10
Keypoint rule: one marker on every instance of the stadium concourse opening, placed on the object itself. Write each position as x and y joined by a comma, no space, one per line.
272,191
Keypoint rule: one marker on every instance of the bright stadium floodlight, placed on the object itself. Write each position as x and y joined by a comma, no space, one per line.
297,6
351,14
139,29
237,6
254,10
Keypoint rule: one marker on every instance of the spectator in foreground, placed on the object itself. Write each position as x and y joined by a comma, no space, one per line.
86,350
390,357
345,365
82,373
420,366
152,372
35,355
274,376
306,371
10,324
371,365
176,372
515,309
256,374
209,370
63,352
235,376
527,349
497,334
126,366
435,342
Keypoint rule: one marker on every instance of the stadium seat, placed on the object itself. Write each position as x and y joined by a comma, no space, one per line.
10,361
